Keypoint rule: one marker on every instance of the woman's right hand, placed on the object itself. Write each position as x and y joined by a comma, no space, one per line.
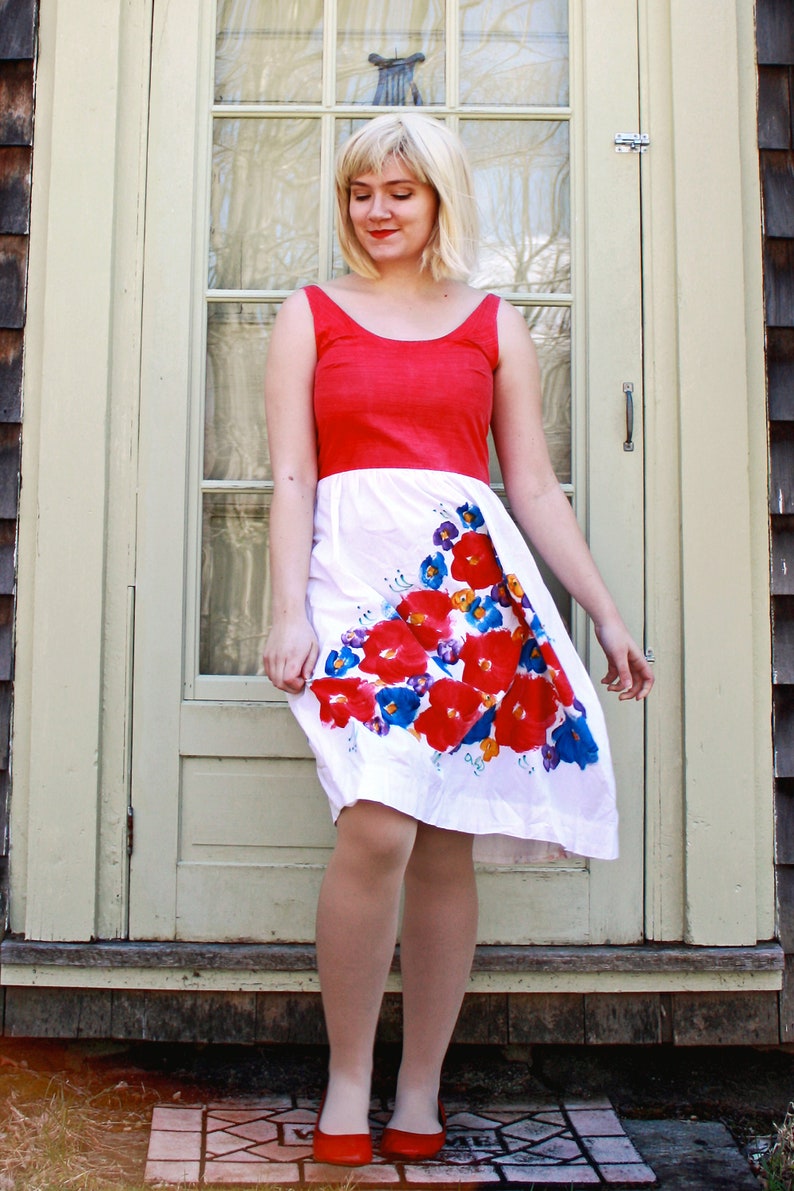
290,654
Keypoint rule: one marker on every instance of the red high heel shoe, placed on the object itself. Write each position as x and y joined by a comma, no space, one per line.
398,1143
340,1149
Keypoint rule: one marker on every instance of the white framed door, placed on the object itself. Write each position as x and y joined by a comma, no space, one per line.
231,829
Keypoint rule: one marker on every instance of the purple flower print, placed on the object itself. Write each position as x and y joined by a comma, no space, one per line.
421,683
500,594
449,651
355,637
551,758
445,535
378,726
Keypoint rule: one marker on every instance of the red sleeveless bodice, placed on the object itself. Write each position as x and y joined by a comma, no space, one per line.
403,403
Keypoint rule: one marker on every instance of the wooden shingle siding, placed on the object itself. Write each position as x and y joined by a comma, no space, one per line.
775,43
18,23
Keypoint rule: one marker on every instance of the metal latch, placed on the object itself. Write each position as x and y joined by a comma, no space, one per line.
632,142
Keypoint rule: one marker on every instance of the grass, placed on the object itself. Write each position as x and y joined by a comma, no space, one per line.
64,1130
777,1164
59,1133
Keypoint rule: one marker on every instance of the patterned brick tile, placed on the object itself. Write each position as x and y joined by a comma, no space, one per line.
174,1119
611,1149
282,1173
167,1146
600,1122
636,1175
172,1172
579,1176
268,1141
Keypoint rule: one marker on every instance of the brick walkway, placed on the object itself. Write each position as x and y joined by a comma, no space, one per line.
268,1141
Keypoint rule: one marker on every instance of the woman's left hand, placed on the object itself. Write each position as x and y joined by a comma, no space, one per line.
629,673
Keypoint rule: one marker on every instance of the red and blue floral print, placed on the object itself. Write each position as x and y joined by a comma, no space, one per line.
461,660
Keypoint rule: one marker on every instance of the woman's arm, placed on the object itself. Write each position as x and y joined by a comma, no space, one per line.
541,508
291,649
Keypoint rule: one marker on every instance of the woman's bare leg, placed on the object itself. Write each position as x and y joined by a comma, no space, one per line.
436,949
356,931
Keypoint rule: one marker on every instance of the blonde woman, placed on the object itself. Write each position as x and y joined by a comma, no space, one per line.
424,658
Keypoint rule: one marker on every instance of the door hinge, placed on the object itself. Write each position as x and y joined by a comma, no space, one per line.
130,829
632,142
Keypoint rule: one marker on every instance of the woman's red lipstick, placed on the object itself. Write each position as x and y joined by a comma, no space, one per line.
382,233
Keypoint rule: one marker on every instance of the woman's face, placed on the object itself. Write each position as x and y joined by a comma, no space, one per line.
393,213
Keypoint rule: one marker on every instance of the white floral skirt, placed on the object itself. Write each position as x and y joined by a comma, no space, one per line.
446,685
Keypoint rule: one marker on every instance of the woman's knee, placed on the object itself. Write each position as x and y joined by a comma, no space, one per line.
375,836
440,857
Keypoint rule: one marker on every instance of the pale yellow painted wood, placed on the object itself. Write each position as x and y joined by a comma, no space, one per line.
276,901
610,275
62,545
122,443
759,565
60,686
220,897
719,704
178,93
193,980
664,826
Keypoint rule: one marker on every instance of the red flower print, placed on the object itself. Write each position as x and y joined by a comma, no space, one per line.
560,679
392,652
491,660
528,709
474,561
343,699
427,615
454,708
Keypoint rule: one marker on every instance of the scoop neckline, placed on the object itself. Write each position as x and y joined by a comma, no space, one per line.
391,339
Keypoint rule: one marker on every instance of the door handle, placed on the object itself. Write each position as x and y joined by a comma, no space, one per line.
628,389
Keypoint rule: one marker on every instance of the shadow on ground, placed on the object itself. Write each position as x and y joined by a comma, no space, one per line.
77,1113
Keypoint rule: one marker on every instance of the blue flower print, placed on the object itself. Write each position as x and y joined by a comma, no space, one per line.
355,637
433,571
421,683
399,705
536,626
445,535
481,729
531,657
339,661
574,741
484,614
471,516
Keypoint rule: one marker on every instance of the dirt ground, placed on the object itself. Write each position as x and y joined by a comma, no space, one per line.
76,1114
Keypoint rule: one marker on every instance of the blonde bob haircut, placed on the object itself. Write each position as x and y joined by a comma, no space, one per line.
434,155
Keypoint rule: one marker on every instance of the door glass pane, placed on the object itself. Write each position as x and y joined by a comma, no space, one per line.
235,437
235,612
514,52
521,178
269,51
265,181
551,333
394,30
